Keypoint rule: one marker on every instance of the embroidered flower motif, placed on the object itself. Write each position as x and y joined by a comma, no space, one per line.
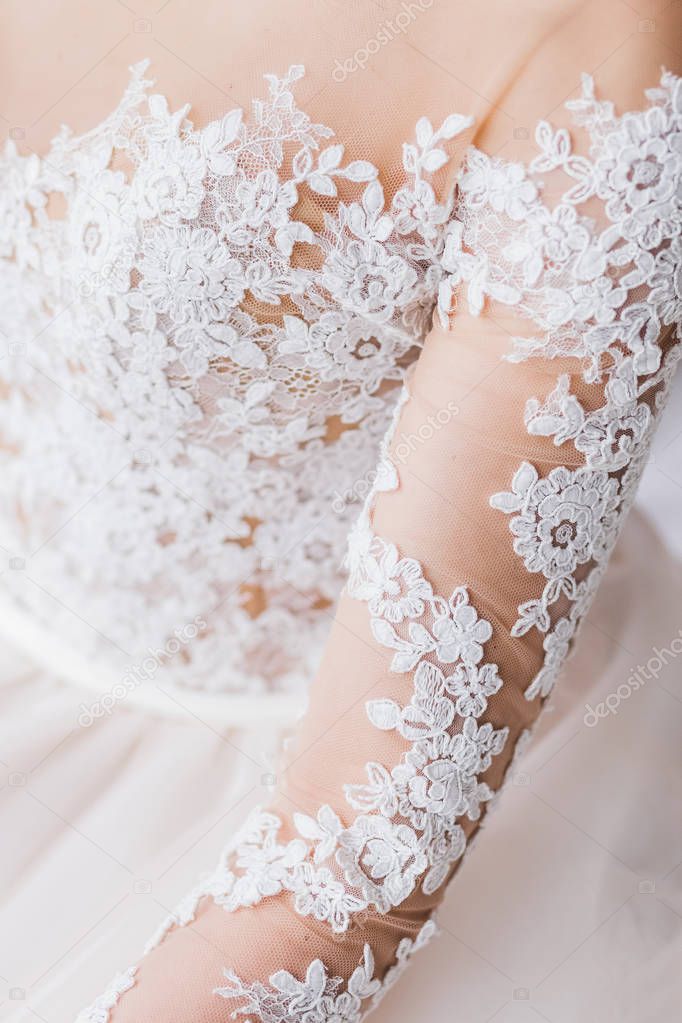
341,346
395,586
100,229
417,210
566,517
366,278
188,274
472,685
169,185
261,202
551,237
461,634
440,776
317,893
382,859
609,440
638,174
598,300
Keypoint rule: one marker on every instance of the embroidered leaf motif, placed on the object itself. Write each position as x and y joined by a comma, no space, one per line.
384,714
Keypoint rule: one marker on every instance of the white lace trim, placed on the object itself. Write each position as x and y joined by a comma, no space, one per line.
100,1010
320,998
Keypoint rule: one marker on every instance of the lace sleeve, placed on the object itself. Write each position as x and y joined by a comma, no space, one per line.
500,494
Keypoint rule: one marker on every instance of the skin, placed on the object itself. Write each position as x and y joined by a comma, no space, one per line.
507,65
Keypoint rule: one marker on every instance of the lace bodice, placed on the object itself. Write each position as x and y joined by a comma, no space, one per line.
197,377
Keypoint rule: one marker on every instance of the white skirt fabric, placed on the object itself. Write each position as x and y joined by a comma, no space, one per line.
570,907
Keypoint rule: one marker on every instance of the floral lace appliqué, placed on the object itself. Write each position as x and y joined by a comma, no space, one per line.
190,338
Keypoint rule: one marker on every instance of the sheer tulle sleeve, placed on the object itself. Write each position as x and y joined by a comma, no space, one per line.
512,460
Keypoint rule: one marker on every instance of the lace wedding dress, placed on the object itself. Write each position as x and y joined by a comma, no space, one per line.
269,388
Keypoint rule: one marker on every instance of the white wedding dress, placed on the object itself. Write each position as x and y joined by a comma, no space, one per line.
214,393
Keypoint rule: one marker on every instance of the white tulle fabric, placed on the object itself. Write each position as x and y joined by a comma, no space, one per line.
318,904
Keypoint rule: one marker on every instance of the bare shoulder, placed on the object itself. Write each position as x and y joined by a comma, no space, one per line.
624,50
